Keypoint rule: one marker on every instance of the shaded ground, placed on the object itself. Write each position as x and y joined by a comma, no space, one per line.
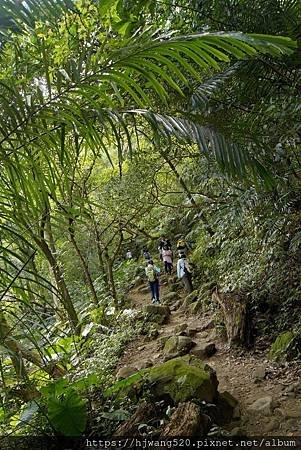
246,376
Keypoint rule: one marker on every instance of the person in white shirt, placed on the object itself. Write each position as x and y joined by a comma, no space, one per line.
184,272
129,254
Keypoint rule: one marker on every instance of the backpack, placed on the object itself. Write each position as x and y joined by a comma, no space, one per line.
151,274
186,271
181,243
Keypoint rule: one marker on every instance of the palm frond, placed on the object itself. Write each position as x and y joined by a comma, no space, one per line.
204,92
234,159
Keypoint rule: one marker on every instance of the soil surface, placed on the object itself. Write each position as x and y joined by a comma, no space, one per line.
248,376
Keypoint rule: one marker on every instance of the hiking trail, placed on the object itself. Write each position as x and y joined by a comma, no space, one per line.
248,376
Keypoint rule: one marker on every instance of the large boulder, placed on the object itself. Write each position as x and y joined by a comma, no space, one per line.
157,313
183,379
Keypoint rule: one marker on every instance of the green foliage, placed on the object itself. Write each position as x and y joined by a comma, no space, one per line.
280,346
68,413
118,415
123,388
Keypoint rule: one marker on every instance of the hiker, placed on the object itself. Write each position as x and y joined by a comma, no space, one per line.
129,254
184,272
181,244
146,254
167,243
167,259
152,273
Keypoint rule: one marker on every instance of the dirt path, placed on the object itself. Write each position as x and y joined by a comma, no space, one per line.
248,377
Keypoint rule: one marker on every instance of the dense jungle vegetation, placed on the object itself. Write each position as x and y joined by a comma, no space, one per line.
120,122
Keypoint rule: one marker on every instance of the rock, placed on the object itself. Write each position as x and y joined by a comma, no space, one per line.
179,328
228,407
280,346
170,298
146,364
191,331
177,345
259,373
262,406
125,372
204,350
183,379
157,313
273,424
161,341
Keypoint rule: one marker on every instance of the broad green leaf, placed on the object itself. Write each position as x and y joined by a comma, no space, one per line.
68,414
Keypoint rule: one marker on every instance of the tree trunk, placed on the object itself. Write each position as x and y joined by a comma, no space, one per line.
59,279
144,413
84,264
109,266
187,420
237,318
100,251
59,313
